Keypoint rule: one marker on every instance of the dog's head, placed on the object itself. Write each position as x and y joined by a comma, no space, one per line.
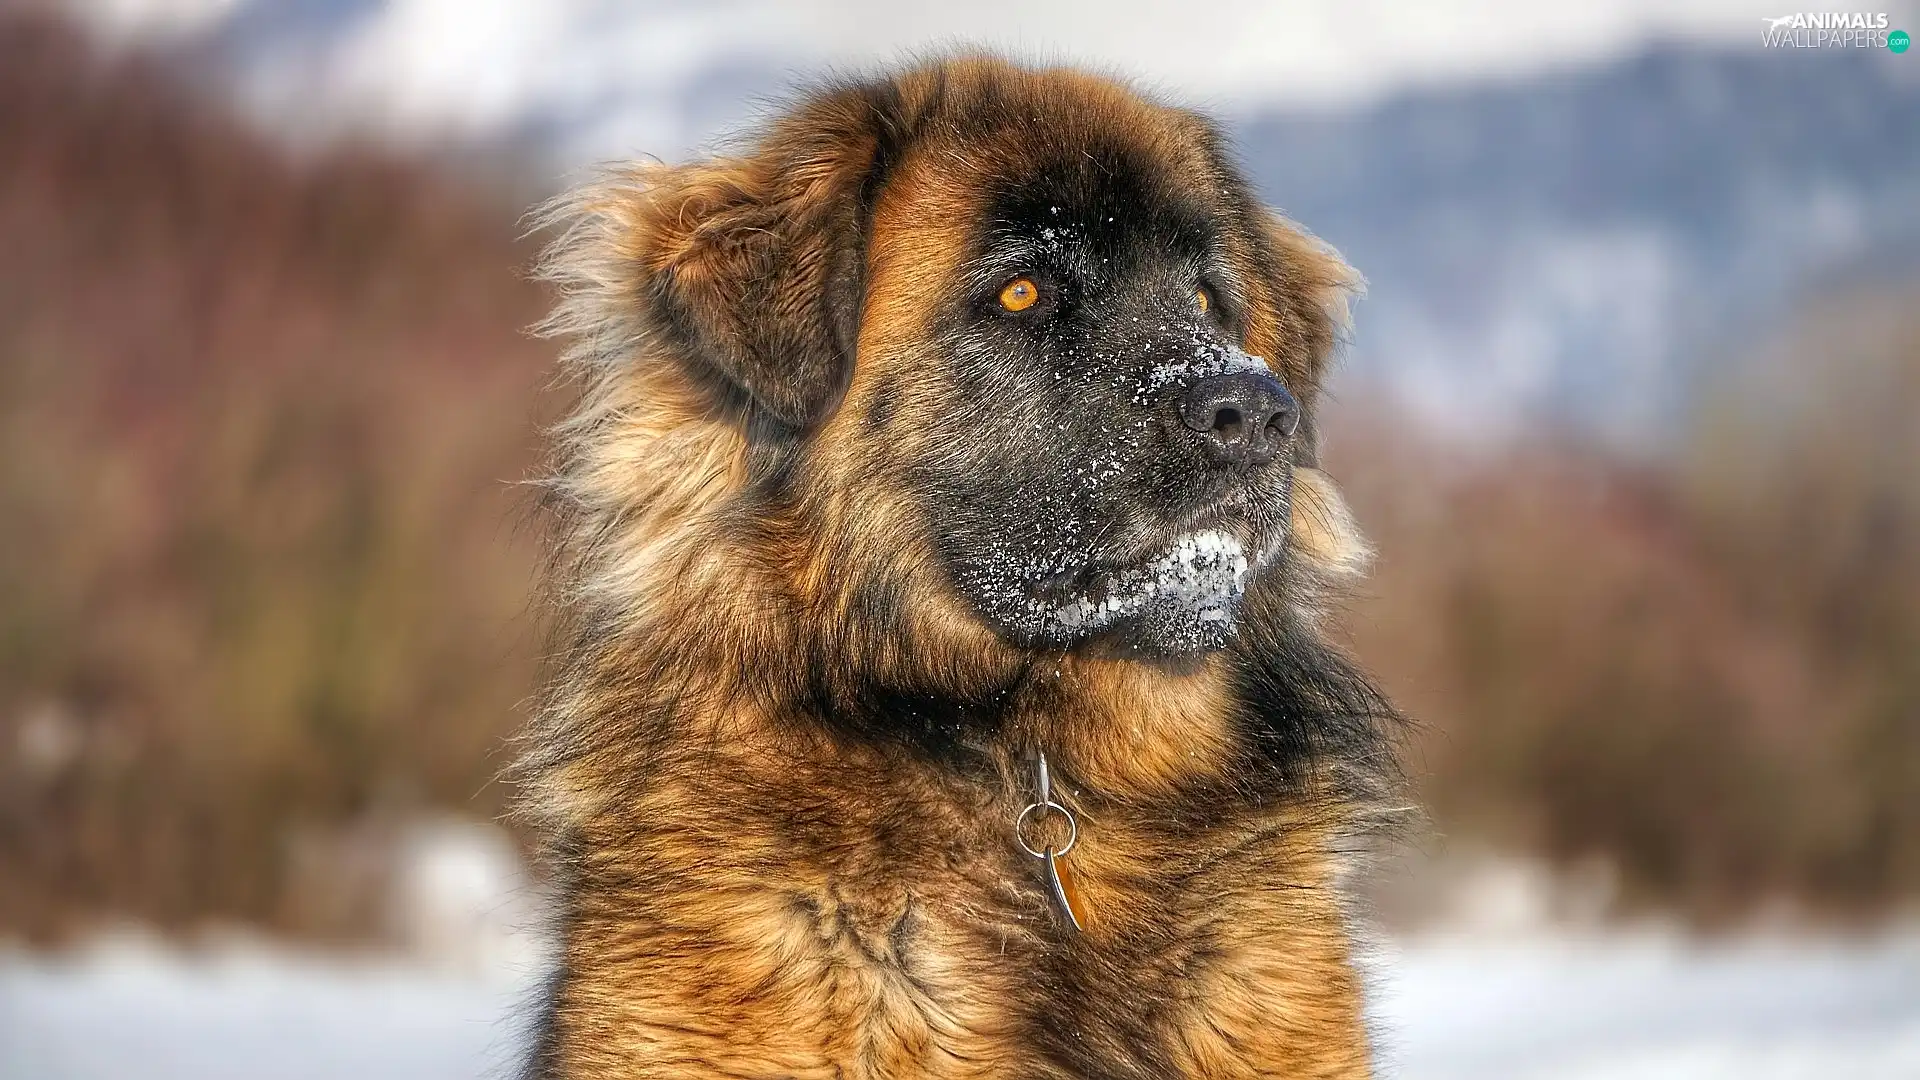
1013,353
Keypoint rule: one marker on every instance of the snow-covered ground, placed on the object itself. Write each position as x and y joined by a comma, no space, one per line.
1570,1005
129,1011
1650,1004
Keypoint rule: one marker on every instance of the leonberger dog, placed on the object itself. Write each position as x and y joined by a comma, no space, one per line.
940,555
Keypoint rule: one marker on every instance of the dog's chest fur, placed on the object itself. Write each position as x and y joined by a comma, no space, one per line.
870,916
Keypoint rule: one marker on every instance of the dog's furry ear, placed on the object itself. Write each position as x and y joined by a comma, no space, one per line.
752,267
1322,529
1311,286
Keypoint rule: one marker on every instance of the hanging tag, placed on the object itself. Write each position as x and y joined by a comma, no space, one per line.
1061,881
1066,889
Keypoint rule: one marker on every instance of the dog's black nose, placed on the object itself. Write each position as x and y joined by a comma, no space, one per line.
1243,418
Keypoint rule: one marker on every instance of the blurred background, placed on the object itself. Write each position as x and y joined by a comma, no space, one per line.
1630,410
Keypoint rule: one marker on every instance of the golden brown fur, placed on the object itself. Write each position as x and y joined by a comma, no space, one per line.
781,757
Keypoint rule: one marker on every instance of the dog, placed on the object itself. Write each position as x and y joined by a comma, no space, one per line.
940,554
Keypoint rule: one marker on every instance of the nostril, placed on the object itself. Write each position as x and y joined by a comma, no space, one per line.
1284,422
1227,421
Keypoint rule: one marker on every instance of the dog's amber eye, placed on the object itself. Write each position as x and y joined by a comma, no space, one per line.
1202,300
1019,295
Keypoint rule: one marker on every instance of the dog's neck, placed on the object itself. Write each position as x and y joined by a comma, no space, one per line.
1172,733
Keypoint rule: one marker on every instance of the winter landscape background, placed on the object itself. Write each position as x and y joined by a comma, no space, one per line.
1628,410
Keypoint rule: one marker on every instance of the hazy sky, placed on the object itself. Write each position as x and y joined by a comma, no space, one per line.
476,63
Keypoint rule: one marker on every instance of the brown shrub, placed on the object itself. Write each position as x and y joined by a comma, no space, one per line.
258,424
1703,674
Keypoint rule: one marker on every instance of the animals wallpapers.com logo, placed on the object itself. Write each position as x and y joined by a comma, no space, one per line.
1830,29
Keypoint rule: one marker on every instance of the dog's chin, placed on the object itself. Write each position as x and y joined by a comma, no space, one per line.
1180,597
